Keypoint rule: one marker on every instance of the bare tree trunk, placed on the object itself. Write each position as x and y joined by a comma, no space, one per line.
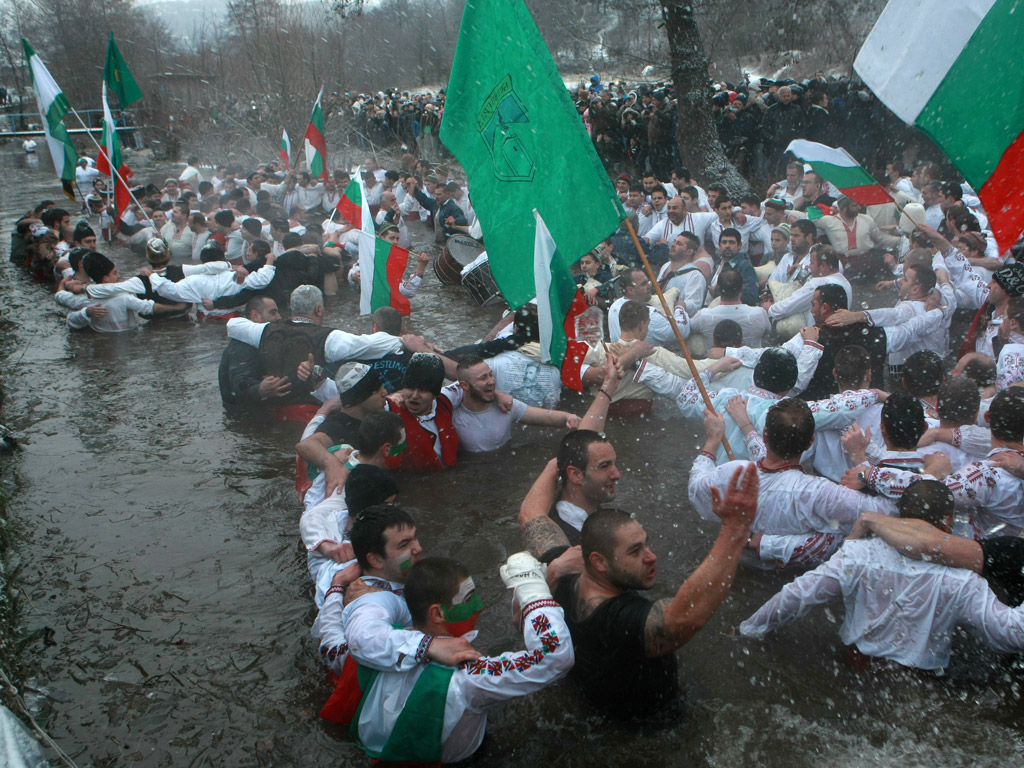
696,132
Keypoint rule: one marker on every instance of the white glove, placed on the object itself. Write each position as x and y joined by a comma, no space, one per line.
527,576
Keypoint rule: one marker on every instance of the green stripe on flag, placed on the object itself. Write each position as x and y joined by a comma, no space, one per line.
843,176
978,110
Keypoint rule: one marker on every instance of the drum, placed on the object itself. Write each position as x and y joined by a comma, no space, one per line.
481,286
458,251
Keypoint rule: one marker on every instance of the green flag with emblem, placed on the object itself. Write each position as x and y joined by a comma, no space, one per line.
509,120
118,78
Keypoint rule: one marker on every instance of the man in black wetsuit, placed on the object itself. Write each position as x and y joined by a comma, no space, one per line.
625,644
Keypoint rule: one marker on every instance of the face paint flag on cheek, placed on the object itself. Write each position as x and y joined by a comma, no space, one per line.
466,607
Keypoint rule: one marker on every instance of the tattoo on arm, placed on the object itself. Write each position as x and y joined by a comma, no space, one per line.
658,640
542,534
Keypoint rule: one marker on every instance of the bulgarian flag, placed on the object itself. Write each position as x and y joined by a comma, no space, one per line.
381,264
838,167
109,161
286,151
53,105
350,204
316,144
559,303
952,69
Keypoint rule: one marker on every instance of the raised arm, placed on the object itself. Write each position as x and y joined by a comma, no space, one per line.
540,533
671,623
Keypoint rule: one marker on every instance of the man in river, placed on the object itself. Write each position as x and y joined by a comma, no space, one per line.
625,643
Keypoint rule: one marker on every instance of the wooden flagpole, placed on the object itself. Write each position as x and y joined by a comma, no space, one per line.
679,334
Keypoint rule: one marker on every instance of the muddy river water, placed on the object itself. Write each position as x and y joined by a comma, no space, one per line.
166,590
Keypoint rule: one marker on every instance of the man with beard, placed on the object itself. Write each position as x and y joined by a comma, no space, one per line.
482,425
625,644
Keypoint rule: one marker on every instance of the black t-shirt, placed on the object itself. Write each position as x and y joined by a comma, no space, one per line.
1004,564
341,428
612,669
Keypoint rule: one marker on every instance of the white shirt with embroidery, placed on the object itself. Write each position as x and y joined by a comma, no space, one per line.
991,498
896,608
474,687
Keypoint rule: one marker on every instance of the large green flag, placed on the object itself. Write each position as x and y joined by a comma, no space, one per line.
118,78
509,120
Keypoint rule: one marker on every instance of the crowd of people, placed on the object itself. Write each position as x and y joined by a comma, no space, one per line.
850,436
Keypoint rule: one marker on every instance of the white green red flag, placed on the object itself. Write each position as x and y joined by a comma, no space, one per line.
952,69
559,303
381,264
350,204
110,163
53,105
838,167
286,151
316,143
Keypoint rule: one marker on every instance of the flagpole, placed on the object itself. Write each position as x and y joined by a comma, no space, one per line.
113,170
679,335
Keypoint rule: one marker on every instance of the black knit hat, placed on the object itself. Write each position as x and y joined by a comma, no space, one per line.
82,231
96,266
366,486
425,371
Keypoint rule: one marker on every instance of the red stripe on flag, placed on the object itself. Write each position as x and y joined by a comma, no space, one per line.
319,142
122,197
285,160
398,260
350,211
575,350
1003,195
869,194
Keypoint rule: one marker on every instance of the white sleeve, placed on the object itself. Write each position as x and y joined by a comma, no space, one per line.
72,301
975,441
261,277
142,307
326,391
661,327
244,330
1009,369
374,642
898,337
797,598
659,381
341,346
107,290
174,291
78,319
329,633
748,356
410,287
454,393
799,302
807,363
1000,626
840,411
209,268
320,523
548,657
702,478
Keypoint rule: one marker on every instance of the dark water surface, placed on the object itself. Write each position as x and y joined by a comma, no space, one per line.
160,548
